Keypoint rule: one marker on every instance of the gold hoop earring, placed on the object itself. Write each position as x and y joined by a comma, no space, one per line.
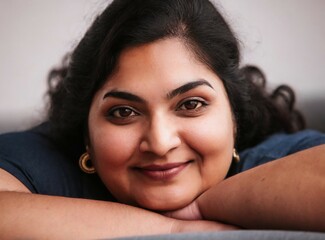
235,156
85,164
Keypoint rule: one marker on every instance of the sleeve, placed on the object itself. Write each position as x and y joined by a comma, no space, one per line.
34,160
279,145
13,148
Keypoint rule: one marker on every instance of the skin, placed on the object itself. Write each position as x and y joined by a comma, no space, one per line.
162,123
135,141
285,194
36,216
288,193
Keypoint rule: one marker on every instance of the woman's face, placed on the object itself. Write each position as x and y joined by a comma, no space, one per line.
161,129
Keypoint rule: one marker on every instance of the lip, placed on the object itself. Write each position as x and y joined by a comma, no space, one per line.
163,172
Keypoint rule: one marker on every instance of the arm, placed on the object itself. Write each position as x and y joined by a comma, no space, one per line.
285,194
26,215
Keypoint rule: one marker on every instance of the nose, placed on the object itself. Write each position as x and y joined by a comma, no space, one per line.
161,136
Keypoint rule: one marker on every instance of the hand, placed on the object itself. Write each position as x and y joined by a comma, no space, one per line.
199,226
194,223
190,212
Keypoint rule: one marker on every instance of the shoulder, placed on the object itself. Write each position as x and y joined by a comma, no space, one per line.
280,145
38,163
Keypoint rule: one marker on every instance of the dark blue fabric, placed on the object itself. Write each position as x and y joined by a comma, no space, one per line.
39,164
279,145
32,158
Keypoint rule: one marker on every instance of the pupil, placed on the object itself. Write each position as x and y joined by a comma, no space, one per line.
125,112
191,105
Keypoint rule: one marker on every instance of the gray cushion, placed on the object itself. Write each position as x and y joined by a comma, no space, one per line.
234,235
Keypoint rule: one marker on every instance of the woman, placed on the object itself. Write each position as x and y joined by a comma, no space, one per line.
153,106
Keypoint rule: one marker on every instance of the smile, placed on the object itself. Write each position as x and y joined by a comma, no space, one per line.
163,172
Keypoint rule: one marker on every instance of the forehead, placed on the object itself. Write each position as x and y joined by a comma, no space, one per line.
162,53
166,62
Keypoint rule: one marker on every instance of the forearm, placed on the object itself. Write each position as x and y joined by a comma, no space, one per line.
30,216
285,194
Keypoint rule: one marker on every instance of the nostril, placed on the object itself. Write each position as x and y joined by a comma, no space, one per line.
160,137
144,146
159,148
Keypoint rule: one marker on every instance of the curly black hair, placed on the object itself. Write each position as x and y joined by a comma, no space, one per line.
200,26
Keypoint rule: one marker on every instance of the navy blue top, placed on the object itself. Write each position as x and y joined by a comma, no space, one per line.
38,163
279,145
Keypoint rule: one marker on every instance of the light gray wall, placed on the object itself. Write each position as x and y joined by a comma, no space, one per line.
284,37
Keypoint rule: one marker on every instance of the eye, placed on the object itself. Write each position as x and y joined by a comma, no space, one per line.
192,104
122,113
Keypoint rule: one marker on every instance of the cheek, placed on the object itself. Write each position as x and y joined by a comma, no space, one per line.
212,138
213,134
112,150
112,146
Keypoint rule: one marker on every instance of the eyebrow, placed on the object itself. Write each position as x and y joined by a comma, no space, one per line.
187,87
124,95
178,91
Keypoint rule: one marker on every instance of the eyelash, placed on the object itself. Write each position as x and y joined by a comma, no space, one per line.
200,104
117,110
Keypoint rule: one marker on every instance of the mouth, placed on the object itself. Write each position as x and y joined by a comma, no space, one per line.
163,172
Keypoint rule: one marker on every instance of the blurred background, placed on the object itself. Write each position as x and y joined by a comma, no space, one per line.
283,37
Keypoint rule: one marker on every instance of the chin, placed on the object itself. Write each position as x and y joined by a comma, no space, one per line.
165,204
